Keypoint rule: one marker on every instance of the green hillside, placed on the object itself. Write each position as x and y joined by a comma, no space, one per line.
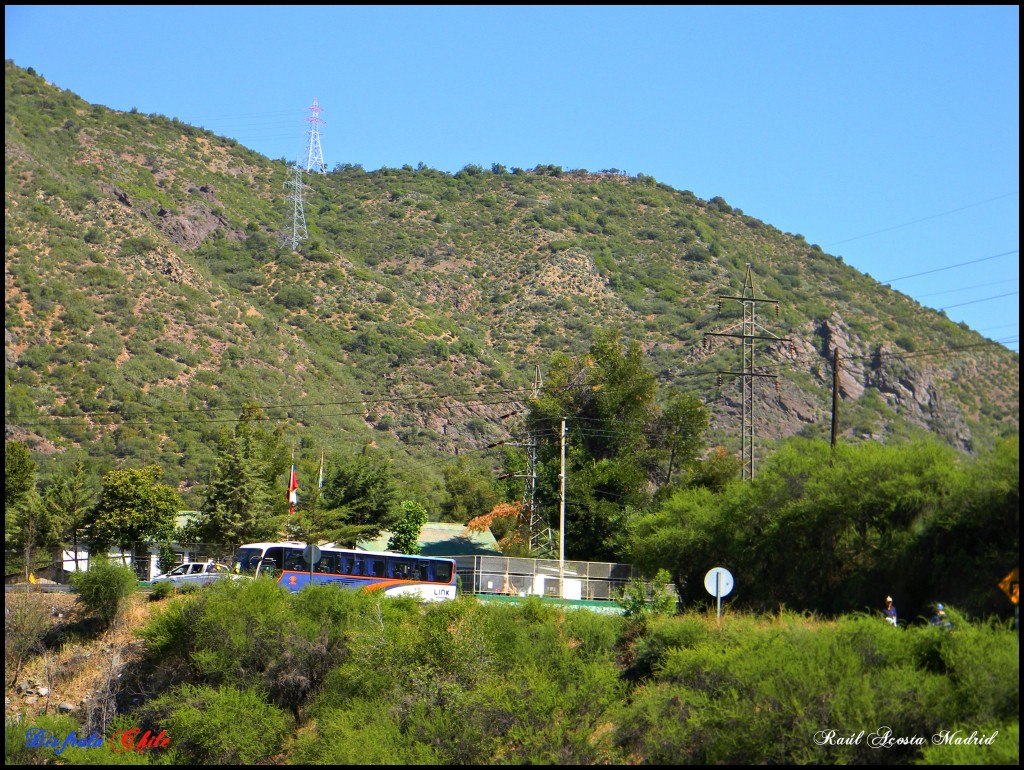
148,296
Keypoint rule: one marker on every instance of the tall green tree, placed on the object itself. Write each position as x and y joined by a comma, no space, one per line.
974,540
405,533
68,500
607,399
19,480
687,535
361,490
26,523
244,500
470,489
134,506
312,522
681,430
34,529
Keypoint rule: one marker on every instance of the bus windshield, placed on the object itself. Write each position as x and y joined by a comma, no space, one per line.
246,559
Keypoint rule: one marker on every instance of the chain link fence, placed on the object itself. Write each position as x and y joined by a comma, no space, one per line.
503,575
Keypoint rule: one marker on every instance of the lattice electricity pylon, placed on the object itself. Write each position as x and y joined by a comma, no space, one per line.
542,541
296,188
314,153
750,327
541,537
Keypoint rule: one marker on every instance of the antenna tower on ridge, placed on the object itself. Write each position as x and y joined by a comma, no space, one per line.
314,153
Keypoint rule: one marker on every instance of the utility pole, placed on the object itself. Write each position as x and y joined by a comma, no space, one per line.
750,331
314,153
561,523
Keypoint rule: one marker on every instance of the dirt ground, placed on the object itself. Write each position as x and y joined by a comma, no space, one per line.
70,659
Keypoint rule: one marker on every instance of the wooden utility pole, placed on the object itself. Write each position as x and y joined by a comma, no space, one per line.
561,523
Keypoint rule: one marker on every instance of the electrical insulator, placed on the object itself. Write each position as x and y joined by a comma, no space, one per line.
776,309
778,390
719,304
718,380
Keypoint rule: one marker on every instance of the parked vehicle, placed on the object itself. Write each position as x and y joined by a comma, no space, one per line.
197,573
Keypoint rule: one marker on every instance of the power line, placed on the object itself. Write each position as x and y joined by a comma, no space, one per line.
966,288
986,299
950,267
306,405
154,417
933,351
923,219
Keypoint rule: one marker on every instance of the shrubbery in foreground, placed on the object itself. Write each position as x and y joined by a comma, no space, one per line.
334,677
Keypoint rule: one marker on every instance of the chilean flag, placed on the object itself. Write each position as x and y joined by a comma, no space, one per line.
293,490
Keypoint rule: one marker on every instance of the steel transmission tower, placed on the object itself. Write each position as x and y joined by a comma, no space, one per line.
296,189
314,153
541,540
750,332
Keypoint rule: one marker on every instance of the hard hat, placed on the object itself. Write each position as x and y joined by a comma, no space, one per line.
939,606
888,598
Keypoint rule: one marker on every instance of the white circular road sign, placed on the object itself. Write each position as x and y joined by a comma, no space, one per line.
718,581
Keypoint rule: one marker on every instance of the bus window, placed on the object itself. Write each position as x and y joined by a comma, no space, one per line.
399,567
293,560
247,558
374,566
327,563
276,554
442,571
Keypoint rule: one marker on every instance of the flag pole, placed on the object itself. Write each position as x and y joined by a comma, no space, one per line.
293,487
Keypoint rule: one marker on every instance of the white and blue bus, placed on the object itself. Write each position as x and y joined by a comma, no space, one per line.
427,578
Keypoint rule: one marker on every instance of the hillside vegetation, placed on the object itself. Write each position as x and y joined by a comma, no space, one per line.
148,296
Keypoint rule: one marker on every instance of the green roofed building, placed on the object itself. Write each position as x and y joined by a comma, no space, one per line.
443,539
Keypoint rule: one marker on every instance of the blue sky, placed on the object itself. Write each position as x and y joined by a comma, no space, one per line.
887,135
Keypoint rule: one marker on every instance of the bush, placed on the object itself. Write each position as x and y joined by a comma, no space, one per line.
358,736
161,591
756,691
103,588
168,634
16,752
640,600
1003,750
229,726
239,629
25,623
294,297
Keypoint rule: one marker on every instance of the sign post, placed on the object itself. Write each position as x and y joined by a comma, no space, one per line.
311,555
718,583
